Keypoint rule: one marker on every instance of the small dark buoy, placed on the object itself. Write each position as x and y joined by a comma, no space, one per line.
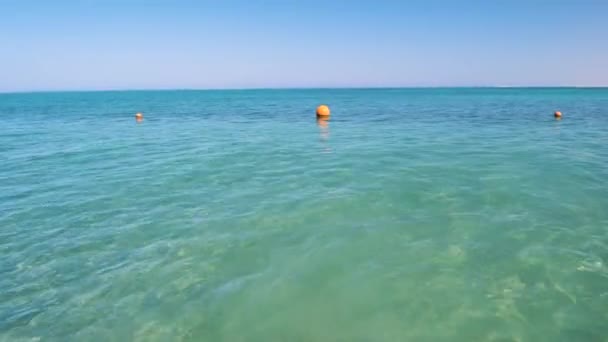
557,115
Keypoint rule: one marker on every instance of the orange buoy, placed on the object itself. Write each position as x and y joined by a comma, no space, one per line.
139,116
323,110
558,115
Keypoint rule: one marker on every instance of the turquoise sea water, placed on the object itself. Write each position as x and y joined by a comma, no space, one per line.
412,215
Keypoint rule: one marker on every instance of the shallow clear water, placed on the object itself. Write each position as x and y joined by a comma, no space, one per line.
413,215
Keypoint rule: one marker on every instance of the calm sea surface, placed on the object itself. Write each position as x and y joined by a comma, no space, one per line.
412,215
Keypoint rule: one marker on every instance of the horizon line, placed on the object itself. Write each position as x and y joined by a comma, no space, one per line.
303,88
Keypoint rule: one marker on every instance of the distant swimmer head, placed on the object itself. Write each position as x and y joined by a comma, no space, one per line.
323,111
139,116
557,115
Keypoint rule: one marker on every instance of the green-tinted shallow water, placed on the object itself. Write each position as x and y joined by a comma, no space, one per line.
415,215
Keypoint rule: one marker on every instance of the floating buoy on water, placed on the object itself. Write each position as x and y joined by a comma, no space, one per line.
323,111
139,116
557,115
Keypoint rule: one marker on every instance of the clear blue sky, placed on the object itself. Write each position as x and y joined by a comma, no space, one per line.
137,44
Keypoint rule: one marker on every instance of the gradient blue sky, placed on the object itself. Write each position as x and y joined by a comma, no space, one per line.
137,44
